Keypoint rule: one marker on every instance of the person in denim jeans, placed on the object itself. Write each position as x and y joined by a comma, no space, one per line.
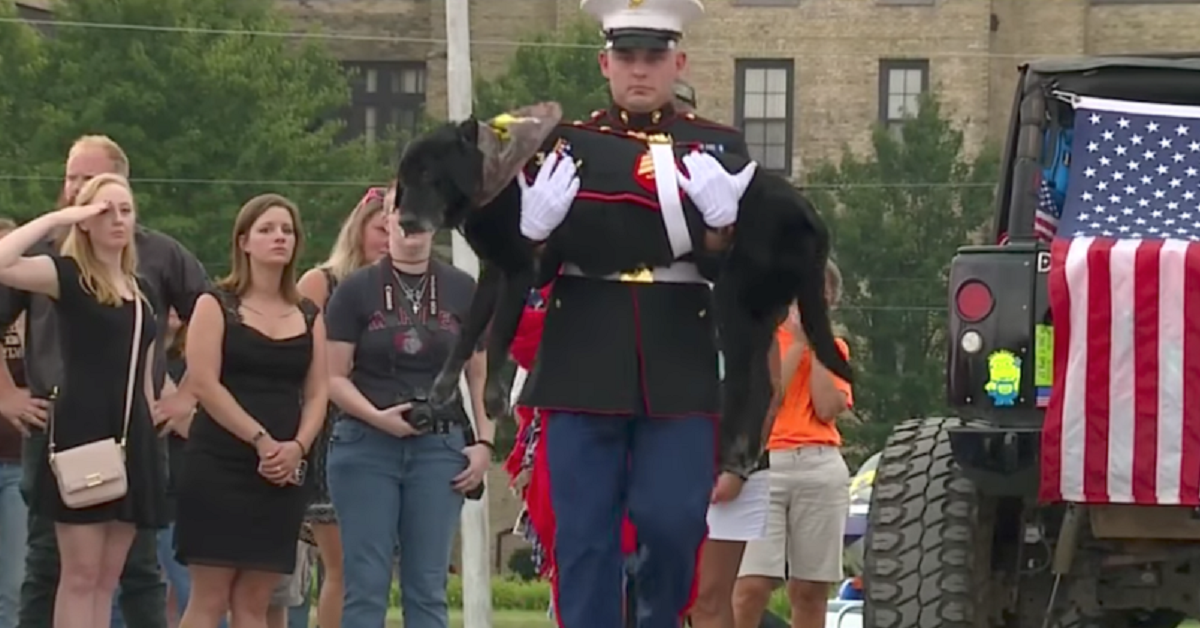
14,514
391,326
362,241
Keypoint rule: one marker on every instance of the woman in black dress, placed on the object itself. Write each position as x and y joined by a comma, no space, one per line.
362,241
256,363
96,296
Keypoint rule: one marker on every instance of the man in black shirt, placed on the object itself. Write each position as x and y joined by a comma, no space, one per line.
176,278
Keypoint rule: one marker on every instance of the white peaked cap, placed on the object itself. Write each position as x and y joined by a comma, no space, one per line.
668,16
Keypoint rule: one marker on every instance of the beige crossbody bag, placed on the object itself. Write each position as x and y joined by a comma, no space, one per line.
94,473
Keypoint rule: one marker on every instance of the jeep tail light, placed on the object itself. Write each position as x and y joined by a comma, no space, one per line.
974,301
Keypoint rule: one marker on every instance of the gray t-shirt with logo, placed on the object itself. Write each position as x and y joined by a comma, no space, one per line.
398,353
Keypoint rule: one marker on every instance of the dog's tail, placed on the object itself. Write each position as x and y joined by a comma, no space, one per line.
814,317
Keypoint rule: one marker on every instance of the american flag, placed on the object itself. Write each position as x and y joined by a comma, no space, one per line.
1123,424
1045,222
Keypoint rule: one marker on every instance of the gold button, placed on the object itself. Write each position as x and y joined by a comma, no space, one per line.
557,304
703,313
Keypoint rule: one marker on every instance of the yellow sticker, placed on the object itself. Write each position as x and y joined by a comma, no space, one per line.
1004,378
1043,356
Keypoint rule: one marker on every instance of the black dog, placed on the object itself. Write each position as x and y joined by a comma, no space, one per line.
778,255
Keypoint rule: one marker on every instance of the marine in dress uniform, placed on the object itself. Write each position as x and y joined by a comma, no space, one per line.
627,371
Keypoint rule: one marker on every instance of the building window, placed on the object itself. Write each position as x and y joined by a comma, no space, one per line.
763,109
901,83
385,94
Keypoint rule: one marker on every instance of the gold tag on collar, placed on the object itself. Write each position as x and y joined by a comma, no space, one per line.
644,275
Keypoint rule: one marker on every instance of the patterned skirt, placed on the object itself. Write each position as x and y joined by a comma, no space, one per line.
320,510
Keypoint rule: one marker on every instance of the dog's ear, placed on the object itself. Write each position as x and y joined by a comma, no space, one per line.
468,130
466,174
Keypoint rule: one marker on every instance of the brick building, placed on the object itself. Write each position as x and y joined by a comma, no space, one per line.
802,77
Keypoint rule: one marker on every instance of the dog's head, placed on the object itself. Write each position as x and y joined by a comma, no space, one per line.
458,167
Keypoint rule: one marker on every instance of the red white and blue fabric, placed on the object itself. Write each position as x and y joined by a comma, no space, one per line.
1123,423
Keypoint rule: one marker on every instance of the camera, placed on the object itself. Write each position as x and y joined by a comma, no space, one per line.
420,415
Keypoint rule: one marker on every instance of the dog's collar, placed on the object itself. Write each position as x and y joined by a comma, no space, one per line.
640,121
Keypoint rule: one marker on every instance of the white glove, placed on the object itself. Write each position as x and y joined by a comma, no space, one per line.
545,202
715,192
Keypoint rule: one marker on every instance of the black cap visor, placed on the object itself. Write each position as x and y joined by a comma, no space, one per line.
641,39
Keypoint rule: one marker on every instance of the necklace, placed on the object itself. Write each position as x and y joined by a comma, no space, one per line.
414,296
284,314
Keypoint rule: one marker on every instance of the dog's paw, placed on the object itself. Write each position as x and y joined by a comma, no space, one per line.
495,402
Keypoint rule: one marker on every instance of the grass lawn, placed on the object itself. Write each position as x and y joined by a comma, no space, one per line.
538,619
500,619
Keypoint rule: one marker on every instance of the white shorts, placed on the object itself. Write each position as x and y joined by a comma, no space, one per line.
744,518
294,586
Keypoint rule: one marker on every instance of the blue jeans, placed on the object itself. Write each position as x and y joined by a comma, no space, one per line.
297,616
389,490
662,471
14,528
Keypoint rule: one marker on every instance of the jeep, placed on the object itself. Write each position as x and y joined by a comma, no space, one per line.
957,535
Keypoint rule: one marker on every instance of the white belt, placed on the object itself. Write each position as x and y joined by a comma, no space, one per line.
679,272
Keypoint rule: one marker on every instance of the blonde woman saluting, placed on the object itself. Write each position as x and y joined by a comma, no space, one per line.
96,293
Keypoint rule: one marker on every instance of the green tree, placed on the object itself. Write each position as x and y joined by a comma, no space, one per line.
897,217
22,59
209,115
556,66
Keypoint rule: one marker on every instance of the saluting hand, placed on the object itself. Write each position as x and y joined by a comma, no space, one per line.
715,191
76,214
546,201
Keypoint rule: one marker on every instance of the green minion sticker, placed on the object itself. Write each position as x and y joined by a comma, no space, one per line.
1004,378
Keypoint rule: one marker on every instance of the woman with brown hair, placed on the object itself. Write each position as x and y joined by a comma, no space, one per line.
105,396
262,392
362,241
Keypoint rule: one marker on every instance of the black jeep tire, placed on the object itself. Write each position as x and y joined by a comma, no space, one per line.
923,561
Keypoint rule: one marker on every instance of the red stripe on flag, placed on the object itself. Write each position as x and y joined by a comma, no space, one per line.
1099,356
1060,307
1189,483
1145,364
